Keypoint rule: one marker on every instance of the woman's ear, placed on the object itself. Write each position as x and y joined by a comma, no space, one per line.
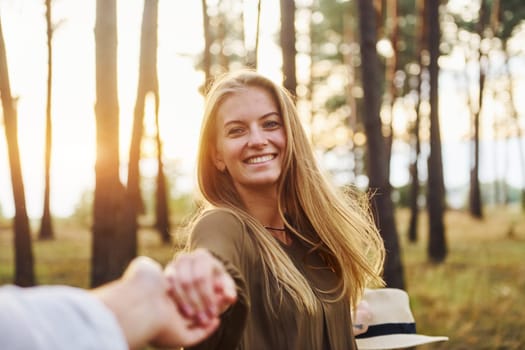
217,160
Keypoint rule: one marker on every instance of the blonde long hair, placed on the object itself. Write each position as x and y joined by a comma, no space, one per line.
336,223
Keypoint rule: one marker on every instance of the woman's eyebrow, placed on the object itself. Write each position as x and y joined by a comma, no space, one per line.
236,121
269,114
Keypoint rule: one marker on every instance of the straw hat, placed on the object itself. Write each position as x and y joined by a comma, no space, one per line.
392,324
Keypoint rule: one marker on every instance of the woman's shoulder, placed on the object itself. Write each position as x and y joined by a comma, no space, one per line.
223,233
218,219
218,225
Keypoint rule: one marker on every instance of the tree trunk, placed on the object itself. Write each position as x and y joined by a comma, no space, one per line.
421,34
257,35
377,172
287,40
206,61
475,191
515,119
437,249
110,248
147,83
390,71
162,221
349,28
24,269
46,227
222,33
255,53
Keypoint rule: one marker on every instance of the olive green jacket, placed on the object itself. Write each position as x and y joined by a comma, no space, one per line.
250,323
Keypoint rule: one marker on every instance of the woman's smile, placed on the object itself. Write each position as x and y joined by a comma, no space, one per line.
260,159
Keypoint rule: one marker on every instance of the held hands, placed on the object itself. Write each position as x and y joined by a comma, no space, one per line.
148,309
200,286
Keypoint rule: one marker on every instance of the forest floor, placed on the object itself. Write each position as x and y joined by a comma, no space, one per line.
476,297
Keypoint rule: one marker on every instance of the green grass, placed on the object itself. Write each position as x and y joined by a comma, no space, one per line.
475,297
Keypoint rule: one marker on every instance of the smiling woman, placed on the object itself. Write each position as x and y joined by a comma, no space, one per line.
298,249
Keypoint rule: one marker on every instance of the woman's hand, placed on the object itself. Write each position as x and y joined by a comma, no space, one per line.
200,286
362,317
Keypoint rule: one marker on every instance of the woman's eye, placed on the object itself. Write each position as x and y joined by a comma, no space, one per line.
234,131
271,124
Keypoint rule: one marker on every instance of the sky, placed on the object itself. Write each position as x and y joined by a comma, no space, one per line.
180,38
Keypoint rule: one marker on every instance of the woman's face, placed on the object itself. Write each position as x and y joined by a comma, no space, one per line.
250,139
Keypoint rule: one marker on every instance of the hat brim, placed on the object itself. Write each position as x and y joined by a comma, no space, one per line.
395,341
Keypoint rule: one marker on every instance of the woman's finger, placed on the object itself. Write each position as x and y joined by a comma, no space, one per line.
179,275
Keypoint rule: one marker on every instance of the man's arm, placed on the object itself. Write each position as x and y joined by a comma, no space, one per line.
130,312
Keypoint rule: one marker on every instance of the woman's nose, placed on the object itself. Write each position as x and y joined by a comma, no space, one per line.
257,138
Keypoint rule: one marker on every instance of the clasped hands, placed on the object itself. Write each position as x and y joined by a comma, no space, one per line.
179,305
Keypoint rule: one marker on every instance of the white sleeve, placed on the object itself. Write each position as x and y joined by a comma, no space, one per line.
56,318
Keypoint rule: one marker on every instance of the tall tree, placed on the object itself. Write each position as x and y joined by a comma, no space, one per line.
421,34
46,224
475,205
287,40
224,44
110,248
506,16
437,248
251,57
390,95
148,48
24,270
349,29
148,83
162,218
377,162
257,35
206,61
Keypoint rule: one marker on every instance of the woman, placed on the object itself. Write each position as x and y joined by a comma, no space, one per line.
300,251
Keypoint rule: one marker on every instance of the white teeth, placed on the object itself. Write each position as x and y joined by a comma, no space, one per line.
260,159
